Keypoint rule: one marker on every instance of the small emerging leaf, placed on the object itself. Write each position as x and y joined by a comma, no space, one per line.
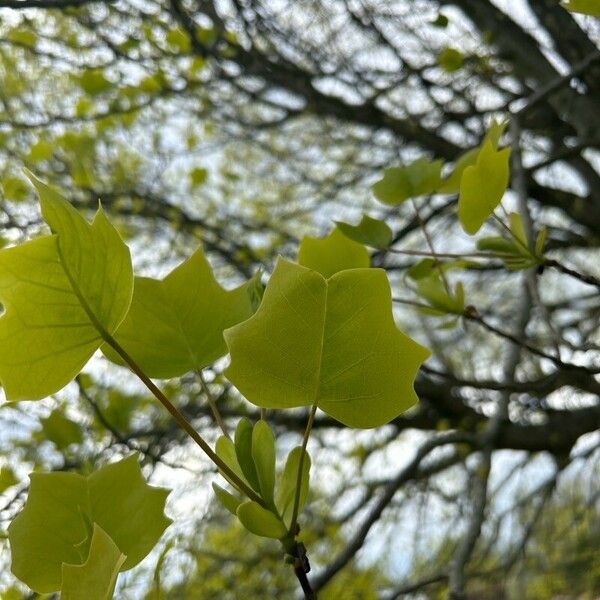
260,521
243,451
263,454
482,187
227,500
287,485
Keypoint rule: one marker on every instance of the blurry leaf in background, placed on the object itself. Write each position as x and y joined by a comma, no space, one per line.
418,178
370,232
7,478
60,430
450,59
586,7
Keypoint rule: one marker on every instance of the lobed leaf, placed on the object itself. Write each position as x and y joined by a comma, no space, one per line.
61,295
176,324
54,527
332,342
96,578
331,254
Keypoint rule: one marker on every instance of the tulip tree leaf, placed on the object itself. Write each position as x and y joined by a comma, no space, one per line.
286,489
96,578
176,324
442,301
482,187
332,253
451,185
60,430
61,294
586,7
415,179
227,500
54,526
263,455
370,232
332,342
243,452
260,521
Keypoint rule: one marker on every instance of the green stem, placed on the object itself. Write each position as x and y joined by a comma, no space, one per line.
181,420
309,424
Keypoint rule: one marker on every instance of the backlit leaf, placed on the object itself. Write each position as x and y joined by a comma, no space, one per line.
418,178
176,324
60,430
96,578
54,527
586,7
260,521
482,187
286,489
243,451
59,293
332,253
332,342
370,232
227,500
263,454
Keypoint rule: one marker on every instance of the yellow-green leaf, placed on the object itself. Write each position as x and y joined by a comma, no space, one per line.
370,232
176,324
61,294
327,341
586,7
482,187
54,527
260,521
415,179
96,578
332,253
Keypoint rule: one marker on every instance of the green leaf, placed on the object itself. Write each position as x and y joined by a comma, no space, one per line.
540,241
7,479
450,59
451,185
260,521
176,324
61,294
198,176
482,187
433,290
370,232
286,489
15,189
498,245
263,454
94,82
228,501
178,39
60,430
517,228
96,578
330,341
23,36
586,7
54,526
332,253
243,452
226,451
40,151
398,184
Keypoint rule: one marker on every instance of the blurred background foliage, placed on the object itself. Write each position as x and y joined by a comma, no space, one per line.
243,125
